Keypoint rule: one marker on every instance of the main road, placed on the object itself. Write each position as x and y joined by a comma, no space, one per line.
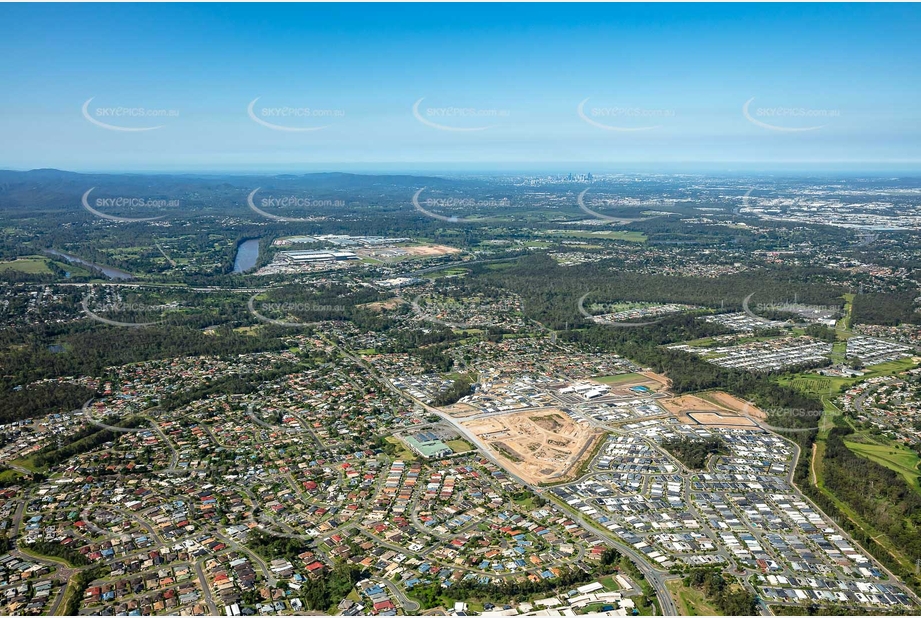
655,578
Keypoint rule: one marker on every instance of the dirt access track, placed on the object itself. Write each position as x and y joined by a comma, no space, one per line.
540,446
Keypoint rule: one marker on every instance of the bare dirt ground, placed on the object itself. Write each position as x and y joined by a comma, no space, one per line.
721,420
688,403
540,446
391,303
718,409
738,405
460,410
661,379
430,250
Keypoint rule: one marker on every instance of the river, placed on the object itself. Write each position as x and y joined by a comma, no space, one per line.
108,271
247,254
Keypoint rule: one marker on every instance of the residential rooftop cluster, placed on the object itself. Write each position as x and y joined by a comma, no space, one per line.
770,355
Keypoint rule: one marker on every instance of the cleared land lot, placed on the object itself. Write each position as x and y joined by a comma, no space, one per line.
714,408
540,446
430,250
722,420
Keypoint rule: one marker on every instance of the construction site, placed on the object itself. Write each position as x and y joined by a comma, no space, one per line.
540,446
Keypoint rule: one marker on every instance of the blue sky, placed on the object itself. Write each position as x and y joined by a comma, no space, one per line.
834,86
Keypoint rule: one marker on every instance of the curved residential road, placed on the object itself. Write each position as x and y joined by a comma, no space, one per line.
655,579
206,589
409,606
269,577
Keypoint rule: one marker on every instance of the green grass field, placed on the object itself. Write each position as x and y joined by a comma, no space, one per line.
814,384
690,602
448,272
619,378
33,265
844,324
895,457
838,350
10,475
885,369
705,342
884,541
28,464
459,446
817,385
402,452
607,234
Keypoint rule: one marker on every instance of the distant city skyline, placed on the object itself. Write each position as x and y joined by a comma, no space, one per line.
461,88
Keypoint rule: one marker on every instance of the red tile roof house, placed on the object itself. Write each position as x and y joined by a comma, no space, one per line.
384,605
